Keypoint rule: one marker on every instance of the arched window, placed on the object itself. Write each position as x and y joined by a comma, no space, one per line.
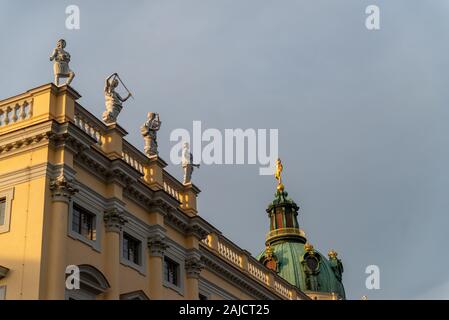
92,284
135,295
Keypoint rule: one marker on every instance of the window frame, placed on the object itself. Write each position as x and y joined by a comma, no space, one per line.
94,244
2,293
179,288
142,266
92,224
8,195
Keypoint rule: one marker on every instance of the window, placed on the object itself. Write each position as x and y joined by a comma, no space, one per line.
3,293
2,211
136,295
6,197
84,223
92,284
171,272
132,249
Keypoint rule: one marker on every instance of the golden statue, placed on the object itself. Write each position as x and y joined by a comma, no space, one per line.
278,174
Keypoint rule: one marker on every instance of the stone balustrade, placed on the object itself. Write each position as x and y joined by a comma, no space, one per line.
89,124
134,158
173,187
244,261
15,112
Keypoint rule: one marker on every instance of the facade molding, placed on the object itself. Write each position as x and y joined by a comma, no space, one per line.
114,220
157,241
224,270
208,288
193,264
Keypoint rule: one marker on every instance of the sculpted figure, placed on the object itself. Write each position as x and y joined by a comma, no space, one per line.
113,100
149,132
61,60
187,163
278,172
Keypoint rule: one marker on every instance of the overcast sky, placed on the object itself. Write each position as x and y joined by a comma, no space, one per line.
362,115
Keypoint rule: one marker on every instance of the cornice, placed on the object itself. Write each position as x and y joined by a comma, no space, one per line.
223,269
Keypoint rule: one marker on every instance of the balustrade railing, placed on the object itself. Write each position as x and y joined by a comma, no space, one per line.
89,124
249,265
15,112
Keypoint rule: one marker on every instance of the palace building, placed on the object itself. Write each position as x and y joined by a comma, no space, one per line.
74,193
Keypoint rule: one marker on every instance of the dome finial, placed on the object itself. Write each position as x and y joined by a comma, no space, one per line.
278,174
332,254
309,247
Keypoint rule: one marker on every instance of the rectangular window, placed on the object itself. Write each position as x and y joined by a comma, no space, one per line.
6,201
84,223
131,249
3,293
171,271
2,211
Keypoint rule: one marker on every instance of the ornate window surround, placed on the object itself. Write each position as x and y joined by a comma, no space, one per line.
135,295
93,283
8,195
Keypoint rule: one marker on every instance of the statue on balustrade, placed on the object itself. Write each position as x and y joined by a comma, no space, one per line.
149,132
187,163
61,60
113,100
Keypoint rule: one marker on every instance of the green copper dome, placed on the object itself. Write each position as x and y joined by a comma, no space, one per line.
288,253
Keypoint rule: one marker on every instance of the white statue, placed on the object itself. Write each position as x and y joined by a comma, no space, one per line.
187,163
113,100
149,132
61,65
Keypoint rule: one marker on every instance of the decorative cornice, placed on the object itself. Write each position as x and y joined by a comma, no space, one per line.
224,270
62,188
199,227
24,142
157,241
114,220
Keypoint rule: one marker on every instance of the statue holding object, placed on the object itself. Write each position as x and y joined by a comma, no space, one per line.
113,100
61,60
149,132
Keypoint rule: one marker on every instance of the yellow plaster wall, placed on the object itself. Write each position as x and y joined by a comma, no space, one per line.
226,286
21,248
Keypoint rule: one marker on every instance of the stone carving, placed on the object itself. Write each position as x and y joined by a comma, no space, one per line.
114,220
149,132
62,188
61,60
157,244
113,100
193,266
187,163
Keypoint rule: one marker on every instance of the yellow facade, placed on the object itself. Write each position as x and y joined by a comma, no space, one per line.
56,160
